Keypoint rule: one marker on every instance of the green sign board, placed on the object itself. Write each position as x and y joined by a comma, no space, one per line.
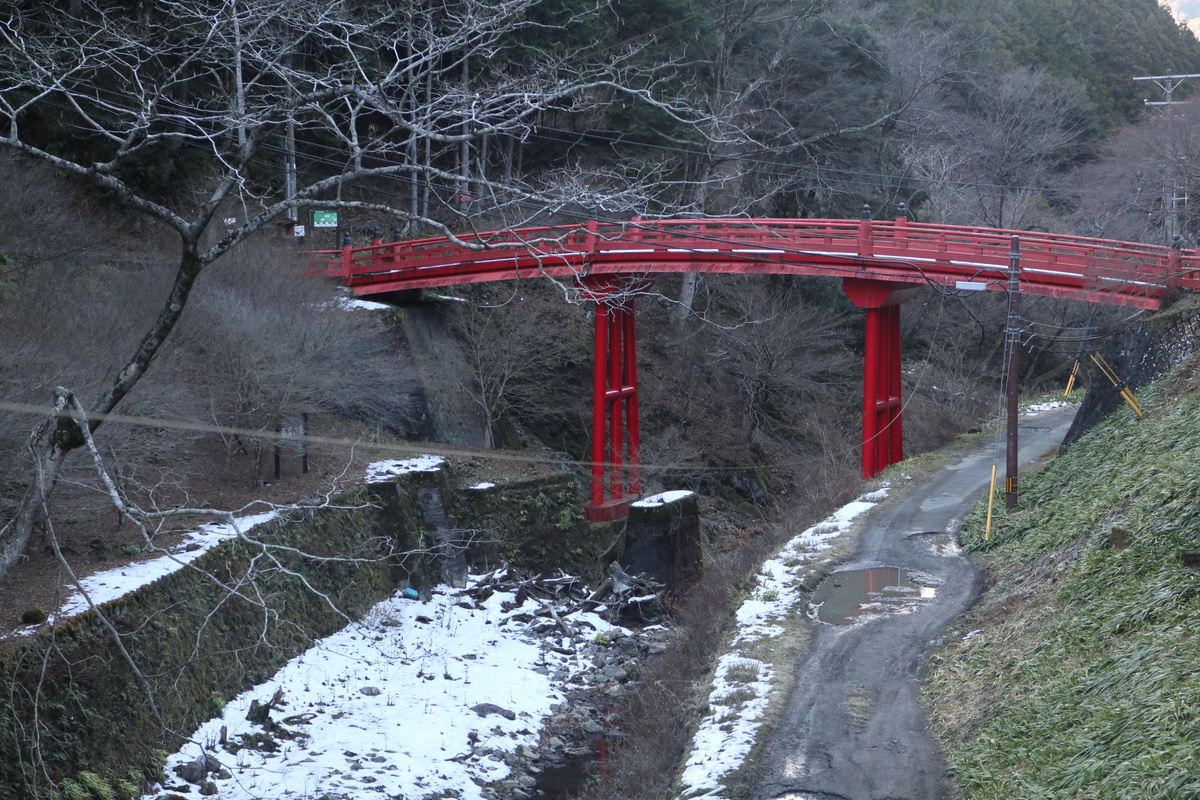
325,219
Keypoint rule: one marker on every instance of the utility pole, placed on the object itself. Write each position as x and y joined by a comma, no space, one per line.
290,168
1168,84
1013,342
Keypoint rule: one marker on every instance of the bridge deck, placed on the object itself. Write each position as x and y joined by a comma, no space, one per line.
1069,267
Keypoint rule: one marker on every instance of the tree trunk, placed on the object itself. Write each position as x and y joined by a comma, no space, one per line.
687,296
56,436
687,293
54,439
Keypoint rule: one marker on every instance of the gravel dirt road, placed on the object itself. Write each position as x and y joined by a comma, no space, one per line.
854,728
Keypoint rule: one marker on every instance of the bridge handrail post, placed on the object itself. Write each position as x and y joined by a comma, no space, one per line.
397,236
864,233
347,256
591,246
901,222
377,248
1174,265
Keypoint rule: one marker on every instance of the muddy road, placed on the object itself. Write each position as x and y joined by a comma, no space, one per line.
854,728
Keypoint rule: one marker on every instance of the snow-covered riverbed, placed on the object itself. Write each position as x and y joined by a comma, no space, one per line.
418,700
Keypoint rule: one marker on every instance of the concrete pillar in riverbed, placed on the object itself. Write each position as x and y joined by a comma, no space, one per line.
662,539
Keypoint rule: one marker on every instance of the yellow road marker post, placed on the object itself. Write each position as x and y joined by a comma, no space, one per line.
987,529
1071,380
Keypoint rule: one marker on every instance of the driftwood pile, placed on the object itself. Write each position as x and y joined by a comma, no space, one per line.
622,599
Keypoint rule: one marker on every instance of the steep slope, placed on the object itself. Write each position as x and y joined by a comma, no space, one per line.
1076,674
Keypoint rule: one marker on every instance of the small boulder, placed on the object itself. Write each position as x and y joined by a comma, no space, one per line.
192,771
484,709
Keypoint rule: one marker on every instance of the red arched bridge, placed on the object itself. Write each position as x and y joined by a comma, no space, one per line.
881,264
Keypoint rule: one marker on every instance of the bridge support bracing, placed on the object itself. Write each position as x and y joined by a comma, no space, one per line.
616,438
882,432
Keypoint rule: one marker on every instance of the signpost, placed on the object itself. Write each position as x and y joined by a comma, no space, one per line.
327,219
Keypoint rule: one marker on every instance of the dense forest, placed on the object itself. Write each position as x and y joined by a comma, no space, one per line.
159,154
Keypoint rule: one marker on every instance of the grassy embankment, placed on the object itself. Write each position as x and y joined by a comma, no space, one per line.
1085,680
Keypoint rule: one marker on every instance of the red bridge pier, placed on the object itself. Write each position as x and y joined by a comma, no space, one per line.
882,433
616,438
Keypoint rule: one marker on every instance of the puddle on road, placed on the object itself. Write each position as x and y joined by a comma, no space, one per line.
845,598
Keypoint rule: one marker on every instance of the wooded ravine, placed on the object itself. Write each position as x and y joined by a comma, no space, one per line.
157,331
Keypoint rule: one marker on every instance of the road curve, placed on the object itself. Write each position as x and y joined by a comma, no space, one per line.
854,728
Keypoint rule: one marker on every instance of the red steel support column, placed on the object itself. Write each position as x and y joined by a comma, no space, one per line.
613,396
890,403
616,437
870,428
883,436
599,386
634,430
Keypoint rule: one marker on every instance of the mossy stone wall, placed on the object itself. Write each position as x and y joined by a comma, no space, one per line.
75,708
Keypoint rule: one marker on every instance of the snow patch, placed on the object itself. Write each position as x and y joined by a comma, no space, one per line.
387,706
351,303
662,499
116,583
1042,408
383,471
112,584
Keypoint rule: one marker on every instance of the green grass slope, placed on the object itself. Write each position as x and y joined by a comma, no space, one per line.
1085,679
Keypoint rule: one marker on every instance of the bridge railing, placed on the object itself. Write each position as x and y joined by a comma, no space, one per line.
1069,266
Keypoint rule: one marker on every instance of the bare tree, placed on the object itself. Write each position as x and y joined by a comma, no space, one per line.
507,358
221,84
787,358
1000,143
268,345
796,96
1142,185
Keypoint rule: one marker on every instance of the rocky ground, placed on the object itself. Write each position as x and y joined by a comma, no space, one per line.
497,691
